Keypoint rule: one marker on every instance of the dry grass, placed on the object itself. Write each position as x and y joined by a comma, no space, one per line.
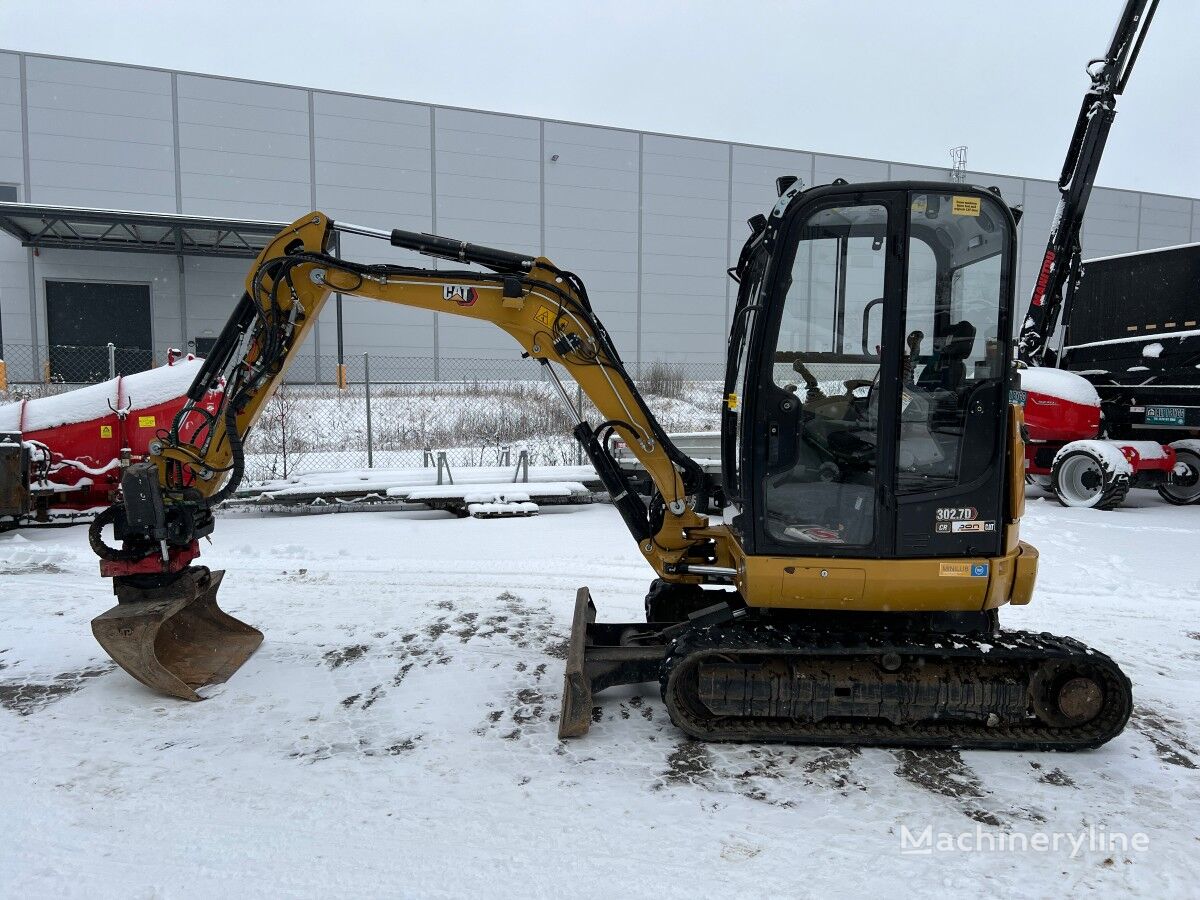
474,422
664,379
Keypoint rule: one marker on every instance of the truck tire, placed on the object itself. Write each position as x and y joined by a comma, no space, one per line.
1182,490
1082,478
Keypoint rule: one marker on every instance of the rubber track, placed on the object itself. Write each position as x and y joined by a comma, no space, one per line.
1024,649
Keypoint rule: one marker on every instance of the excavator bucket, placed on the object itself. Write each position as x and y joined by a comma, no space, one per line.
175,639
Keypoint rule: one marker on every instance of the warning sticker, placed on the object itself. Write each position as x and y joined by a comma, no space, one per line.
965,206
545,315
920,204
105,431
146,422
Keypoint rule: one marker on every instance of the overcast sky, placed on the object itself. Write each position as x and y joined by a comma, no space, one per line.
895,80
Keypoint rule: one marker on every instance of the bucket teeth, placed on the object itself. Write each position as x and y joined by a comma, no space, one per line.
174,638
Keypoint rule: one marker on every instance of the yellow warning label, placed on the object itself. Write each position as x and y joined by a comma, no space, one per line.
545,315
146,421
731,401
960,569
920,204
965,206
105,431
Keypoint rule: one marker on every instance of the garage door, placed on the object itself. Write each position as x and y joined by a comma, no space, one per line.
83,317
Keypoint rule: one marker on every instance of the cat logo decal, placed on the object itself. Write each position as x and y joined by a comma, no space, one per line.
462,294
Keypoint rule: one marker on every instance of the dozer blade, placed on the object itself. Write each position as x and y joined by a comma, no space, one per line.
576,715
174,638
600,656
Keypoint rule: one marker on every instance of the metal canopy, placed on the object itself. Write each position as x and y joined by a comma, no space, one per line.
78,228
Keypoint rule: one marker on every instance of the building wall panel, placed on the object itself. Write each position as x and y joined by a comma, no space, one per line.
488,176
650,222
1165,221
100,135
685,218
373,167
243,149
590,209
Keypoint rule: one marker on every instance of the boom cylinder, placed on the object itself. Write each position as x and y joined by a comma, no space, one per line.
461,251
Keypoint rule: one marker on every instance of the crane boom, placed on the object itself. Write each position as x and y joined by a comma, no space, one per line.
1060,265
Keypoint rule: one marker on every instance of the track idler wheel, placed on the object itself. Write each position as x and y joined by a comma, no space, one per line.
1066,696
173,637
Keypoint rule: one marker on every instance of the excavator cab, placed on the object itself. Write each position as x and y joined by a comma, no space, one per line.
867,380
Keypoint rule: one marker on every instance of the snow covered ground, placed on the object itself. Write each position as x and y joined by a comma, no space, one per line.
395,733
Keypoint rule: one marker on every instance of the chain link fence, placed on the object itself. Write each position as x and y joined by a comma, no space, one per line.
39,371
399,412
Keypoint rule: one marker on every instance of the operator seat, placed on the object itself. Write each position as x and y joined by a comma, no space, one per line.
948,369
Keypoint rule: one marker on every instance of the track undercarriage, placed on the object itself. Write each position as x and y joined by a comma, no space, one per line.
728,673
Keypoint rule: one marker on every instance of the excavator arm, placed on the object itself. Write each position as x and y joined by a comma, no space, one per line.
545,309
167,501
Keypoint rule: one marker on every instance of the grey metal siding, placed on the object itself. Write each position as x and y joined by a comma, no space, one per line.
102,133
14,278
373,167
685,215
488,176
11,159
243,149
651,222
1165,221
591,219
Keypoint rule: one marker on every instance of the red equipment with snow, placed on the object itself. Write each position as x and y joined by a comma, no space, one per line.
63,455
1063,452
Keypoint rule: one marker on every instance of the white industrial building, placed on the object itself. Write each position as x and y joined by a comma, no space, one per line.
651,221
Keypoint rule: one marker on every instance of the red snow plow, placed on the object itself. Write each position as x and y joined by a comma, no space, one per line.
61,456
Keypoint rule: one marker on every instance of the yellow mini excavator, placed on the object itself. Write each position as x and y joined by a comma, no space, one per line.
872,462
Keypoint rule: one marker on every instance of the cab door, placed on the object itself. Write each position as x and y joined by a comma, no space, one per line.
952,417
817,453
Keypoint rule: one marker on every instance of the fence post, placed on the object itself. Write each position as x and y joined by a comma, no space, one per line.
579,409
522,468
444,464
112,360
367,384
